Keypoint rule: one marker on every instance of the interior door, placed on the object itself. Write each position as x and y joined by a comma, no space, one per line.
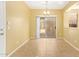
2,28
50,27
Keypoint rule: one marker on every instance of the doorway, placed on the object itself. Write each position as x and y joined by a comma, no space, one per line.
46,27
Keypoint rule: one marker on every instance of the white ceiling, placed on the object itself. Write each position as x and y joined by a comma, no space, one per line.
50,4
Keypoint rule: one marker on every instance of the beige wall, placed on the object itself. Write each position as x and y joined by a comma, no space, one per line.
71,34
17,24
35,12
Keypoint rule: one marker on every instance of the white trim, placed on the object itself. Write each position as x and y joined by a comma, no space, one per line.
76,48
18,47
48,16
37,27
5,30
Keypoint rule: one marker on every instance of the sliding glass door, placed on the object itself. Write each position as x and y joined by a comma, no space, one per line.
47,27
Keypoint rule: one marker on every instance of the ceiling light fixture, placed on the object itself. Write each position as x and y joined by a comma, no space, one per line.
46,12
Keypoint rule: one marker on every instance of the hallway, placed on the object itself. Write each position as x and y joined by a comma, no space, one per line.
43,25
46,48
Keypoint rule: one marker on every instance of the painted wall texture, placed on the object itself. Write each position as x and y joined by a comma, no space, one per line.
71,34
17,24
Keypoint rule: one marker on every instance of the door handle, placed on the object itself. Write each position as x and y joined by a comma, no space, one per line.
1,32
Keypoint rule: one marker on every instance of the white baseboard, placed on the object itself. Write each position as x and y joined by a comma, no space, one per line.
76,48
18,47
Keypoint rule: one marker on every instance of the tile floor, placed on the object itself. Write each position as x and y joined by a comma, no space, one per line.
46,48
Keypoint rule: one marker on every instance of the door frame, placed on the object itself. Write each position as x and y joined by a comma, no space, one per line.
38,24
3,29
